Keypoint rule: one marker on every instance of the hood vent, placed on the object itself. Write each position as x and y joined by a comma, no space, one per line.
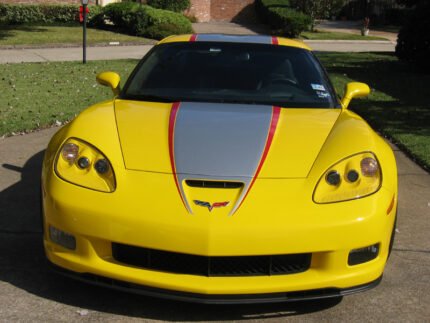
213,184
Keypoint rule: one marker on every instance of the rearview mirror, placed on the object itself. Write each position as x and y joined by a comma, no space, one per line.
354,90
111,79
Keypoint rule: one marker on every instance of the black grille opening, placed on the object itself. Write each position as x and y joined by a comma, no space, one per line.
213,184
210,266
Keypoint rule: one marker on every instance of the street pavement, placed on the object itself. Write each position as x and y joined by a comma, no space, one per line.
30,292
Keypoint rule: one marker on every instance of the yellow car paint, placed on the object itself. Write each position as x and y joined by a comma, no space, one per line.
354,90
279,215
110,79
281,41
328,231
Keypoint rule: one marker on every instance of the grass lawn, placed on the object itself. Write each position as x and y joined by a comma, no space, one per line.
37,95
40,35
398,106
327,35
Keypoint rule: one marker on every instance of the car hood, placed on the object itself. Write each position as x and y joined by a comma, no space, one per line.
212,140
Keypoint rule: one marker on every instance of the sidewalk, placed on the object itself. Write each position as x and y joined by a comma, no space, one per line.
9,56
71,54
138,51
353,27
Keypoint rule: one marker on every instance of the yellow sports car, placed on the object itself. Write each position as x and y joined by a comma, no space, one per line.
226,170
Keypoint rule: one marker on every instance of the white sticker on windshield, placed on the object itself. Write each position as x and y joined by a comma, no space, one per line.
318,87
323,95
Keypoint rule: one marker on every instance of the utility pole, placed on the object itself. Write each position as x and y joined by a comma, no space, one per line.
84,40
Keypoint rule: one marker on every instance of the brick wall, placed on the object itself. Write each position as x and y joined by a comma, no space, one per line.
201,9
232,10
223,10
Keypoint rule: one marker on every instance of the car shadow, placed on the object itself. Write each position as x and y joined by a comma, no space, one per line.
23,265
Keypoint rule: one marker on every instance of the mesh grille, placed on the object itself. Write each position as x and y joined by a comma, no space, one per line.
210,266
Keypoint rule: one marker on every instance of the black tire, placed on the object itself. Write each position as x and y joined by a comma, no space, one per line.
393,234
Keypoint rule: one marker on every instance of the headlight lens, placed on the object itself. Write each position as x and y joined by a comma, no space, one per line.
352,178
82,164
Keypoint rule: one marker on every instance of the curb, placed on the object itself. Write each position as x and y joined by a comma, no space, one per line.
339,41
72,45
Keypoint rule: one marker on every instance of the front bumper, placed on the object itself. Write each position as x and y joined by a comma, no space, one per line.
217,298
291,223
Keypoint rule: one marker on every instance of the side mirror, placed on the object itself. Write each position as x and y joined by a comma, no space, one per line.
354,90
111,79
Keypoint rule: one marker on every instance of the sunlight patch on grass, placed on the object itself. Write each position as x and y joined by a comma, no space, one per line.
49,35
326,35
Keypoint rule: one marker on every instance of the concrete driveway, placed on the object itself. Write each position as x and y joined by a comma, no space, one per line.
30,292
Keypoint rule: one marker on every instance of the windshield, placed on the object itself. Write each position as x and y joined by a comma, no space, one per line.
231,73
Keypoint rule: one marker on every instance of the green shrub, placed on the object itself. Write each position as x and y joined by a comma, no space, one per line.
157,23
18,14
413,42
172,5
42,14
263,7
146,21
283,19
120,14
396,16
289,22
96,17
162,23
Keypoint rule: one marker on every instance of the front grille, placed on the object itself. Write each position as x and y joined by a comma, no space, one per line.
213,184
210,266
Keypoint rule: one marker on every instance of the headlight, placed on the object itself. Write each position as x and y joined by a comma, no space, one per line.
82,164
352,178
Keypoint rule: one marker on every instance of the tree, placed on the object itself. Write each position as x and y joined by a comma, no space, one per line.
319,9
413,42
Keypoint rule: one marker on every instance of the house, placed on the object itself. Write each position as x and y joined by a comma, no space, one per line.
203,10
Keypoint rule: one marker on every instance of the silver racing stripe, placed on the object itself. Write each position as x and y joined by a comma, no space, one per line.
255,39
220,142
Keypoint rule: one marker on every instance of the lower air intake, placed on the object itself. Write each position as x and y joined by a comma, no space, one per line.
211,266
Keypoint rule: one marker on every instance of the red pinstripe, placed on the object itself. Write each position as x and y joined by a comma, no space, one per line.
193,38
172,121
275,40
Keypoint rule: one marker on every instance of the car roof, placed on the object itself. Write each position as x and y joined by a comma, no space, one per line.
252,39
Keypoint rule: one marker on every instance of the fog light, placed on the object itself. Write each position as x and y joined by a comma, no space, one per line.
83,162
101,166
62,238
362,255
333,178
352,176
